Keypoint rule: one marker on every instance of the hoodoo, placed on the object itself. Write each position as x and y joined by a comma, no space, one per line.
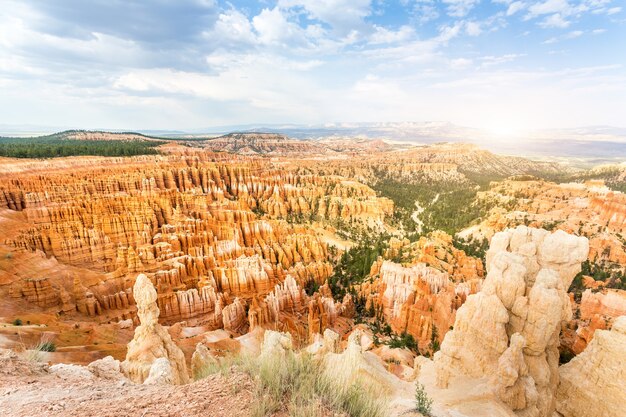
152,355
509,331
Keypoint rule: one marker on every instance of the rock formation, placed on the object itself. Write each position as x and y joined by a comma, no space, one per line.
106,368
597,311
426,294
200,359
587,209
355,364
509,331
592,384
152,355
276,343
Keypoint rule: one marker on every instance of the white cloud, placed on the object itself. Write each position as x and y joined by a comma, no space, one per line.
554,21
490,60
549,7
460,8
383,35
373,87
613,10
574,34
447,33
473,28
234,26
258,82
570,35
563,12
273,27
460,63
342,15
425,11
515,7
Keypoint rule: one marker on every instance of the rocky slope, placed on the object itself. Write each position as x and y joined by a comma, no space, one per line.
29,389
592,384
223,242
168,261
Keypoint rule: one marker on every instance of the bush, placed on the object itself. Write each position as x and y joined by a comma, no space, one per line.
17,322
34,353
423,403
311,287
297,385
46,347
404,341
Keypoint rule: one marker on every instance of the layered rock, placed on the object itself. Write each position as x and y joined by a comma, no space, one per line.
588,209
152,355
287,297
597,311
592,384
510,329
418,298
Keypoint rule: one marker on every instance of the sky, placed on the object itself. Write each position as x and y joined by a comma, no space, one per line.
503,65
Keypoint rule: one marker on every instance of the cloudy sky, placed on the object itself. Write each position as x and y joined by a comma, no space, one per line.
184,64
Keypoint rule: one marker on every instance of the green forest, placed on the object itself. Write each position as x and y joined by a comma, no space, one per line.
60,144
447,206
354,264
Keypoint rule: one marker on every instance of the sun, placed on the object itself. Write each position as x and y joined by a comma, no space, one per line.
504,130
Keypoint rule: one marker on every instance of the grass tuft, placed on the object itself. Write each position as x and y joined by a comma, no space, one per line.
34,353
296,384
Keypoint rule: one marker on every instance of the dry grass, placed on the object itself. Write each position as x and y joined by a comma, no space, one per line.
297,384
35,353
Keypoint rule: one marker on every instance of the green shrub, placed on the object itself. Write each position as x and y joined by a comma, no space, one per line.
17,322
423,403
434,339
46,347
311,287
404,341
34,354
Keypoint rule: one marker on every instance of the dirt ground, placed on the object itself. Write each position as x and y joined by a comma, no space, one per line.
29,389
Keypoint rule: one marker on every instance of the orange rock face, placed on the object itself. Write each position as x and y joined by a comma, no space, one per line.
597,311
230,240
209,231
416,298
590,210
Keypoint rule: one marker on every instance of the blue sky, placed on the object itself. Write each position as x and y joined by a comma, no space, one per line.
184,64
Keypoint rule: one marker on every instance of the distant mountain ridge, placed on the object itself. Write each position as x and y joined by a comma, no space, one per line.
584,146
579,153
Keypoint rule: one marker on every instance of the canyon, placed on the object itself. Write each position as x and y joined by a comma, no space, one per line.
143,269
